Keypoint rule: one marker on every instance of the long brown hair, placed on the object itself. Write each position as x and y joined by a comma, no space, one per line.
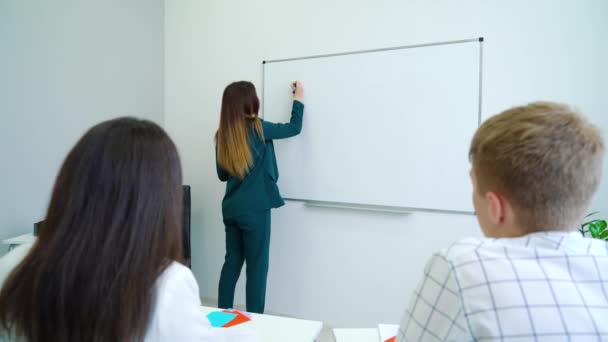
240,106
113,225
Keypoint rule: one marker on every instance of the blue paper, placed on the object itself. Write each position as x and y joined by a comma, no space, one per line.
218,319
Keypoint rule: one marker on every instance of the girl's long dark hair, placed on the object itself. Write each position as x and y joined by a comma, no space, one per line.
240,109
112,226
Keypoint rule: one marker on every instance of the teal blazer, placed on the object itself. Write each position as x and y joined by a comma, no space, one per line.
258,190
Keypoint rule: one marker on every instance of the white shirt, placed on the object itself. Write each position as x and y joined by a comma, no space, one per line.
541,287
12,259
177,313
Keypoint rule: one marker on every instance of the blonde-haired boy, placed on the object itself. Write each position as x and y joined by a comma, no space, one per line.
535,169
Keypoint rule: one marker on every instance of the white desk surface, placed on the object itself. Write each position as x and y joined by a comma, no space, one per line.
280,329
357,335
20,240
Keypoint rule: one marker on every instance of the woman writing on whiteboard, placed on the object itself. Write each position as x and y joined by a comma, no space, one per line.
246,161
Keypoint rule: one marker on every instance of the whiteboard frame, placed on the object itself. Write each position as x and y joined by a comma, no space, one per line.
374,207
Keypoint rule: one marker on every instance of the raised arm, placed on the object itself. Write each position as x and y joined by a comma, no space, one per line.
285,130
294,127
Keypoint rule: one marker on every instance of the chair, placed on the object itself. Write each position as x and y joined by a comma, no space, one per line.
186,227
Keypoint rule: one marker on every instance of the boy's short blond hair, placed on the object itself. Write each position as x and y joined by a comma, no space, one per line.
545,158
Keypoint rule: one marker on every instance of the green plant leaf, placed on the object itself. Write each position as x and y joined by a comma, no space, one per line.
595,229
592,221
598,228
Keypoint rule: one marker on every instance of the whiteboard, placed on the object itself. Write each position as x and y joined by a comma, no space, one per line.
387,127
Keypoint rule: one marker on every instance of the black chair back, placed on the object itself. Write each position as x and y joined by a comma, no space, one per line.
186,227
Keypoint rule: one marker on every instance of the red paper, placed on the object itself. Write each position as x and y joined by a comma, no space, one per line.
239,319
392,339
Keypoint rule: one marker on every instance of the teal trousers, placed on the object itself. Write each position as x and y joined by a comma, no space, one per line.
247,241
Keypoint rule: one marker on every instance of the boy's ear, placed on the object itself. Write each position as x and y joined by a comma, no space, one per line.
497,208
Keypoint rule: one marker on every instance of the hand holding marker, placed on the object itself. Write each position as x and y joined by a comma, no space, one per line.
297,90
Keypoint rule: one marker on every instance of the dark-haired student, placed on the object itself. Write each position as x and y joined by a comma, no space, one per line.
106,264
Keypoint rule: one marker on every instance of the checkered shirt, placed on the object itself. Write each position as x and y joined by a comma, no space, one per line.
549,286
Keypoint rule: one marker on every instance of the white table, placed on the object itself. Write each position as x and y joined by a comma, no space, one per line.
19,240
279,329
357,335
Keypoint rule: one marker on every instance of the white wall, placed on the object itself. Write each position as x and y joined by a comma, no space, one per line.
66,65
347,268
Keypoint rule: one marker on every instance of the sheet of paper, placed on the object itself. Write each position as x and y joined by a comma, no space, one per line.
388,331
219,319
241,312
239,319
